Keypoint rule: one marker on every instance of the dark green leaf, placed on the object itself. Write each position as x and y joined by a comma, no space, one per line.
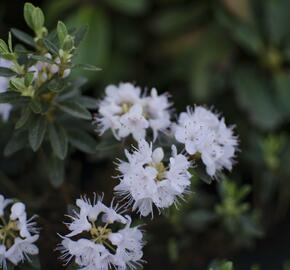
88,102
17,142
58,140
80,34
25,114
50,46
42,59
9,97
37,129
75,109
6,72
56,171
256,97
88,67
82,141
22,36
35,106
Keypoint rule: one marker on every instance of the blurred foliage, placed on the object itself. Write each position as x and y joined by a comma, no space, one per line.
234,54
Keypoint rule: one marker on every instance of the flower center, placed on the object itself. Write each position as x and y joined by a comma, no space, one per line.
8,232
126,107
100,235
161,169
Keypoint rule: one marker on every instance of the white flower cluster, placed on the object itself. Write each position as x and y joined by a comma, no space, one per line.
17,233
5,108
111,242
204,134
126,111
146,179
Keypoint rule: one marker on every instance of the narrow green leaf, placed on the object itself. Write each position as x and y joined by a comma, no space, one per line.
58,140
42,59
28,14
28,78
61,32
80,35
17,84
22,36
88,67
10,42
9,97
50,46
6,72
38,18
37,129
17,142
56,171
82,141
3,47
75,109
25,114
88,102
35,106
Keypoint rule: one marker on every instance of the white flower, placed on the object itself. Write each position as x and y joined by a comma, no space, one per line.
104,247
3,203
21,249
146,179
203,133
5,108
17,233
157,111
125,111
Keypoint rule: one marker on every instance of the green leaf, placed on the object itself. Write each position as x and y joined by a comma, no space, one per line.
56,171
80,34
58,140
256,97
24,37
88,102
9,97
25,114
128,6
282,82
35,106
42,59
50,46
17,84
56,85
17,142
82,141
75,109
88,67
28,14
3,47
6,72
10,42
244,33
37,129
61,32
37,19
28,78
68,43
277,20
